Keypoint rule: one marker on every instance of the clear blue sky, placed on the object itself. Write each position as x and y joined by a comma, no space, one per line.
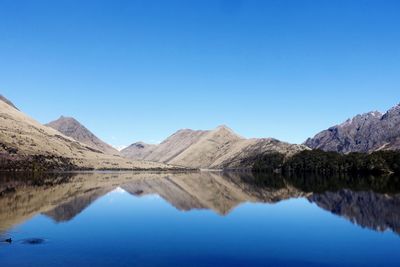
140,70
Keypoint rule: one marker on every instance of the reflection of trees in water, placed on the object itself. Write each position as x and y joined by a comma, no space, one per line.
389,184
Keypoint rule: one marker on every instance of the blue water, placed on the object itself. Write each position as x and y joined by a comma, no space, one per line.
122,229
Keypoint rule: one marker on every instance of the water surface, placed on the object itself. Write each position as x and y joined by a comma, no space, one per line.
198,219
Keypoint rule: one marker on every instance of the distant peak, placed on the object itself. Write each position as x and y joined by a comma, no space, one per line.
394,111
66,119
62,117
140,143
223,127
397,107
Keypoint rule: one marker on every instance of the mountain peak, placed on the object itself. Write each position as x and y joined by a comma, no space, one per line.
71,127
67,118
395,109
225,128
138,150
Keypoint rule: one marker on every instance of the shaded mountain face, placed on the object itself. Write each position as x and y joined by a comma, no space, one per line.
217,149
26,144
2,98
364,133
74,129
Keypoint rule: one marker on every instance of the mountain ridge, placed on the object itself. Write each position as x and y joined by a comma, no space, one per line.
365,133
219,148
25,144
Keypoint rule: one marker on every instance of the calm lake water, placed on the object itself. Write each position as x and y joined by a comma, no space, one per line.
198,219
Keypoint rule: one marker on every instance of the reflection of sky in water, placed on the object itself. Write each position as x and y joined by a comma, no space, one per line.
122,230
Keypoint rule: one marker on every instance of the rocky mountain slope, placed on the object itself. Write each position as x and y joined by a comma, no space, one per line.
364,133
220,148
27,144
74,129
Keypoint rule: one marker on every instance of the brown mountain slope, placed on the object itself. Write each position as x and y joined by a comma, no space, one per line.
74,129
137,150
220,148
175,144
208,148
25,143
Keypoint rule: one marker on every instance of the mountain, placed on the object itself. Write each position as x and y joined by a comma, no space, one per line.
26,144
2,98
165,151
175,145
364,133
243,153
220,148
74,129
137,150
208,148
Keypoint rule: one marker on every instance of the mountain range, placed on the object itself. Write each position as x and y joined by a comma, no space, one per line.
367,132
219,148
25,144
66,144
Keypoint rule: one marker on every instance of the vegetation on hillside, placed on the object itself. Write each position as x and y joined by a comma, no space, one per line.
330,163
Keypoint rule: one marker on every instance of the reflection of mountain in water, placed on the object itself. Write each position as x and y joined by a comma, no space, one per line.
68,210
64,196
167,189
367,209
214,191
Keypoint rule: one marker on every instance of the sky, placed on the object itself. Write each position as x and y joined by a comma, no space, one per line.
140,70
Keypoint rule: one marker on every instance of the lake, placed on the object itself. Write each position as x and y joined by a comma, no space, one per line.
198,219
